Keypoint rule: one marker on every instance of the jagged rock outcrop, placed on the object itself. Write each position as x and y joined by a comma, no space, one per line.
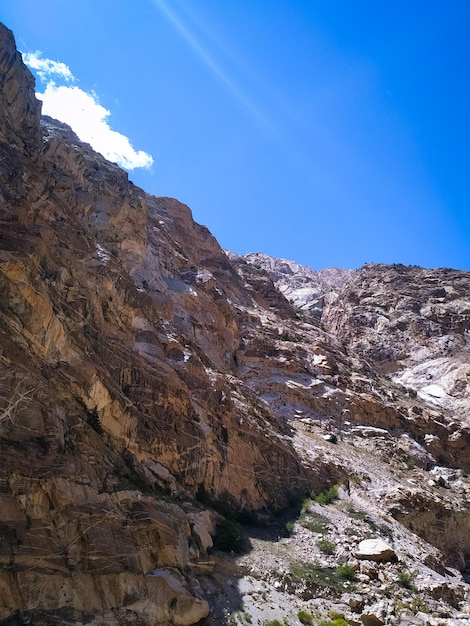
119,324
398,316
21,110
305,288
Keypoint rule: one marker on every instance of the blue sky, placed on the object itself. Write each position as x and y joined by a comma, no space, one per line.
329,132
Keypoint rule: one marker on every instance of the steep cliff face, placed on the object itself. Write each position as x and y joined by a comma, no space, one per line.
120,324
146,375
413,324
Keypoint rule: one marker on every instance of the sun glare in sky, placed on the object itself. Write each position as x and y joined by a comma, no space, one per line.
331,133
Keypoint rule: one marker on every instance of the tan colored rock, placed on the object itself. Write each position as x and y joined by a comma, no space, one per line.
158,599
370,619
202,528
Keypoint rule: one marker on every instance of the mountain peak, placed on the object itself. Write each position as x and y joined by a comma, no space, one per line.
21,111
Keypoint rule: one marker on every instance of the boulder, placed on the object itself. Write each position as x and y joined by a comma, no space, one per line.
375,550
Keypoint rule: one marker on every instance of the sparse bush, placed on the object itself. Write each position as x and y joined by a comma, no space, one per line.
242,615
353,512
273,622
221,504
335,615
326,497
339,621
385,530
405,579
325,546
345,572
316,523
325,576
290,527
305,617
418,605
228,537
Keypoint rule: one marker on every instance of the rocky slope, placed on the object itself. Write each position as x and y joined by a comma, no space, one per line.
304,288
150,382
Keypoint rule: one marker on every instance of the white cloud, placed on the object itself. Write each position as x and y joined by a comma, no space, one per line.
46,67
88,119
83,112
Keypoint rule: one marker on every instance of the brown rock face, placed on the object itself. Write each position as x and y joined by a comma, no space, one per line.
19,126
396,316
119,324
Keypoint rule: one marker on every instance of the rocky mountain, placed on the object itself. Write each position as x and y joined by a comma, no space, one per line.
306,289
164,405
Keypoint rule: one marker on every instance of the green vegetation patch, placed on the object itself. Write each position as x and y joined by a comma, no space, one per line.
326,497
324,576
354,513
228,537
325,546
404,579
339,621
316,523
305,617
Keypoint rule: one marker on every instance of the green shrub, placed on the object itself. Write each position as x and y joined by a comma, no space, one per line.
273,622
405,580
325,546
353,512
326,497
335,615
222,505
345,572
305,617
324,576
228,537
316,523
385,530
419,605
290,527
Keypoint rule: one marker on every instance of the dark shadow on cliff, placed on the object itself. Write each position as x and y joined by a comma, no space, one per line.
222,588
